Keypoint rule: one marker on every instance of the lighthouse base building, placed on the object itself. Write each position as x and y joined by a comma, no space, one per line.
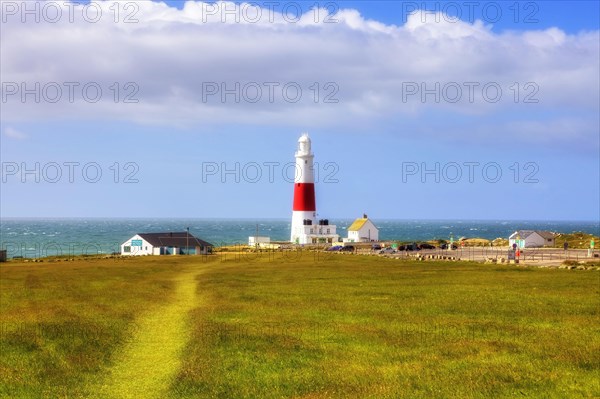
305,227
309,233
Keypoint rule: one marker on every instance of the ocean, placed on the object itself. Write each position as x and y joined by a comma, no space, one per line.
33,238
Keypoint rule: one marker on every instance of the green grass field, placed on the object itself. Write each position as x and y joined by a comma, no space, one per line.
297,326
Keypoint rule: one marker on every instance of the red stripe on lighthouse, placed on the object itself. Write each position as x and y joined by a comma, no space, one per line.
304,197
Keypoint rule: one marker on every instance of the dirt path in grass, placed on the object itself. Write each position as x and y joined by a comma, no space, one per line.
147,364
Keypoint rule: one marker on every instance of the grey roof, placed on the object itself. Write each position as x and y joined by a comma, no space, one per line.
522,233
545,234
526,233
174,240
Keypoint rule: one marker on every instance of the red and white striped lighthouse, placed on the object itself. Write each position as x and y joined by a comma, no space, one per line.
305,228
304,208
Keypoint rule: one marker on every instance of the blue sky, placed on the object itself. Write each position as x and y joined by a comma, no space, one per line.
572,17
379,98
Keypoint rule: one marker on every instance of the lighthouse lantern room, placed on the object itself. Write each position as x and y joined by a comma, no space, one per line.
305,227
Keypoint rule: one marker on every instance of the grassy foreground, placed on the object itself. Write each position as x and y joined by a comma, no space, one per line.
297,326
62,324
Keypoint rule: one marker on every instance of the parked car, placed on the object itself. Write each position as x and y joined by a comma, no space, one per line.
445,246
424,245
408,247
376,247
347,248
388,250
334,248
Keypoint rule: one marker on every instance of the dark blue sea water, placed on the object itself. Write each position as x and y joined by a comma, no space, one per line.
45,237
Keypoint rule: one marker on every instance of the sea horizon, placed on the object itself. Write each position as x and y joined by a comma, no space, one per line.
283,218
35,237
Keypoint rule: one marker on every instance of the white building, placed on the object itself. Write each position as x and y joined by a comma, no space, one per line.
257,240
305,229
165,244
531,239
362,230
310,233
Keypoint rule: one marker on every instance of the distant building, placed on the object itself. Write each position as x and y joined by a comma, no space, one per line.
257,240
531,238
165,244
362,230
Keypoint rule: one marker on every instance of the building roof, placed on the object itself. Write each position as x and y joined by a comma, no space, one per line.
173,240
545,234
523,234
358,224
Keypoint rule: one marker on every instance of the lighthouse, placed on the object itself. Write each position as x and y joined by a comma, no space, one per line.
305,227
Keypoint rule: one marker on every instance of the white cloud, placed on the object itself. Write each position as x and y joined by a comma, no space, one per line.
171,55
14,134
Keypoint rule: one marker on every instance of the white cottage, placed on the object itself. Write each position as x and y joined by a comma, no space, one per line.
362,230
165,244
531,239
254,241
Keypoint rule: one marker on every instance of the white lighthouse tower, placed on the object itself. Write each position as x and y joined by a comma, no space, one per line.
305,228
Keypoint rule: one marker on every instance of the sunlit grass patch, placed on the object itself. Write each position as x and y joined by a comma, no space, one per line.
61,323
369,327
309,326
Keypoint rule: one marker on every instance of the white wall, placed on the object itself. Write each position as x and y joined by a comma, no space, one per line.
145,249
253,240
534,240
308,234
298,227
363,235
369,231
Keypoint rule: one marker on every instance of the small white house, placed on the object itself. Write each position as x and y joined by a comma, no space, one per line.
362,230
531,239
258,240
165,244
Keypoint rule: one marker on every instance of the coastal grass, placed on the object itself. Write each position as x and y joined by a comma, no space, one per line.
360,326
145,367
577,240
62,323
299,325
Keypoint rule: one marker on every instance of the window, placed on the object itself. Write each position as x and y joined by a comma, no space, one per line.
127,249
